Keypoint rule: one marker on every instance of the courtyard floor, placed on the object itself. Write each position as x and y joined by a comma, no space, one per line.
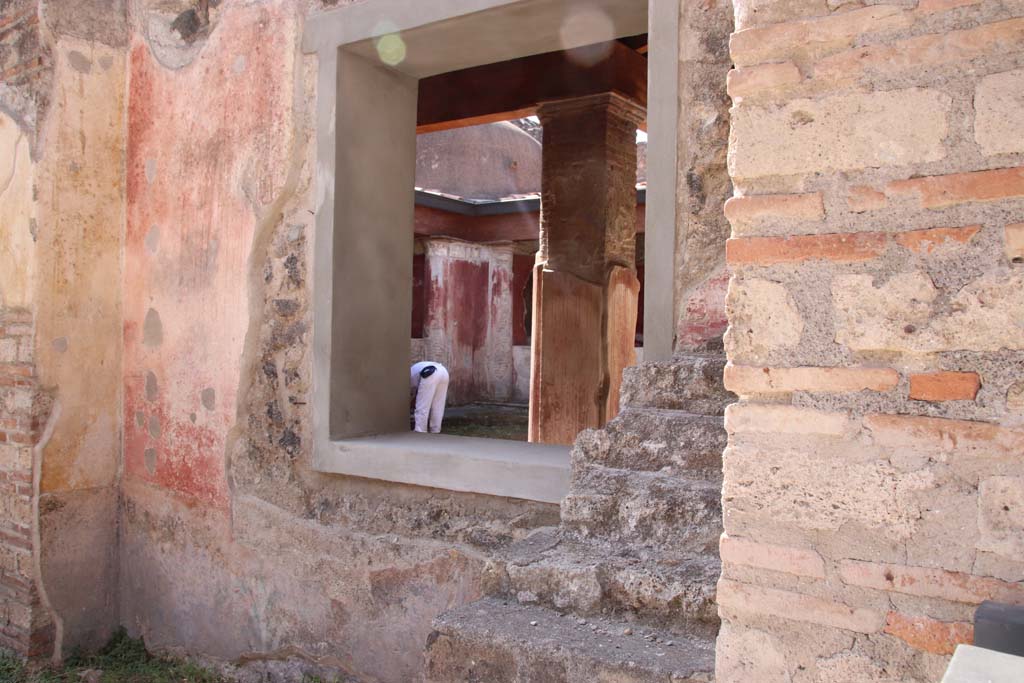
488,420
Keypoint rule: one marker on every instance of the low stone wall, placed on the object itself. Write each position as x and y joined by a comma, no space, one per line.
873,479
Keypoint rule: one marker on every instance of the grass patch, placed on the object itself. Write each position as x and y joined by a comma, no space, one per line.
123,660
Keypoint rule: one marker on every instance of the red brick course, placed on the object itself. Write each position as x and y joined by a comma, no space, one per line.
775,558
755,79
753,208
921,52
927,582
926,241
936,192
840,247
747,379
856,246
944,386
923,633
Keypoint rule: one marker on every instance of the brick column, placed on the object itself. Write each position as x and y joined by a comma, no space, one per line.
25,626
585,283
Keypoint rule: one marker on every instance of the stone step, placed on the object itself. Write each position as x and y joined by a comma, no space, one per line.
690,383
501,641
556,571
678,515
654,440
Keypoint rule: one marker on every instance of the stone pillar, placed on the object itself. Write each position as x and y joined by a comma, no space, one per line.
585,283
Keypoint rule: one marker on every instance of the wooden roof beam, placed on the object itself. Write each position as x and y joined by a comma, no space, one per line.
513,89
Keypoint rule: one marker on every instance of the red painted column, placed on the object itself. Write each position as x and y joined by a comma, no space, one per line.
585,283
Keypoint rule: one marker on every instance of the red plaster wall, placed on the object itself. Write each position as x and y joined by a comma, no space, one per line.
522,292
468,317
704,316
419,294
203,156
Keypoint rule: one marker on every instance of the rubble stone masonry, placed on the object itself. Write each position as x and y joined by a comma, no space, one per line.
874,485
156,471
25,627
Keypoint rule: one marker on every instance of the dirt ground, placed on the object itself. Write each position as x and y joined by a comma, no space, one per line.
487,420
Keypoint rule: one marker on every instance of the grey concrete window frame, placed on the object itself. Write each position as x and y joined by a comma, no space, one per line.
365,119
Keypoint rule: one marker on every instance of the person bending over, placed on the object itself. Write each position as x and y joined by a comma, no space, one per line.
429,380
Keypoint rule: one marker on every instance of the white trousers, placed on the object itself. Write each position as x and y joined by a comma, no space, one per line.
431,395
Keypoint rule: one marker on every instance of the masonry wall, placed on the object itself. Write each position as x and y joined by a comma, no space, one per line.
873,479
300,571
704,184
155,361
62,122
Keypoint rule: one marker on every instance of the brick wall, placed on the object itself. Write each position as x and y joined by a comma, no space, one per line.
23,626
874,485
25,65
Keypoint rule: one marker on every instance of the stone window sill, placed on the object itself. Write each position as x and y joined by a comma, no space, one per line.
513,469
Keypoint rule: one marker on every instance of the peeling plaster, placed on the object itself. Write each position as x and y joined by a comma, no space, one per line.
37,541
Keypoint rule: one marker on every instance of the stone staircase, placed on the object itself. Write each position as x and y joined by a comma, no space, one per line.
623,591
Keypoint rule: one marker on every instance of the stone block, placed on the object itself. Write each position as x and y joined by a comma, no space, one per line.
692,383
16,458
742,597
791,486
999,108
9,559
1001,516
1013,235
746,379
907,313
842,132
843,247
644,507
781,419
772,557
936,192
744,655
650,440
756,79
762,319
750,210
1015,397
944,386
495,641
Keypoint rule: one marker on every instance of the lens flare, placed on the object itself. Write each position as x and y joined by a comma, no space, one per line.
391,49
587,26
390,46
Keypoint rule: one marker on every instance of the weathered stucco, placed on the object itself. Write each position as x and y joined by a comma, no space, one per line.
305,571
156,242
17,216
